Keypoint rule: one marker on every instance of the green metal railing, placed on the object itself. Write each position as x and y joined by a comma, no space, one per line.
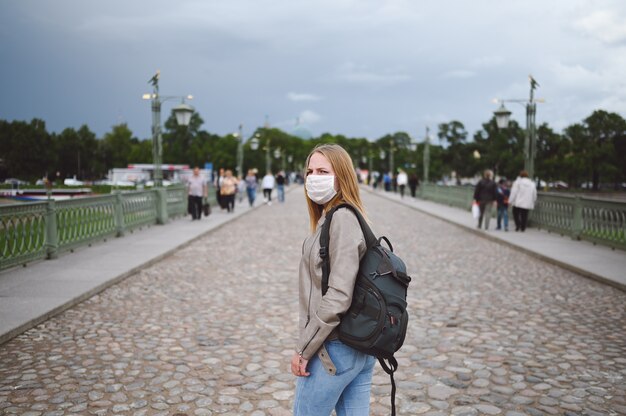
597,220
22,233
34,231
455,196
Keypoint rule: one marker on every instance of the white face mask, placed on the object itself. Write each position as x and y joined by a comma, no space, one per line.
320,188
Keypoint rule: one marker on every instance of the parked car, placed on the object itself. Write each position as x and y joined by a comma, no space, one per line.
151,183
73,182
558,185
14,181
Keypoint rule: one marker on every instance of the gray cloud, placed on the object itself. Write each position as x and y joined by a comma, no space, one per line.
379,66
295,96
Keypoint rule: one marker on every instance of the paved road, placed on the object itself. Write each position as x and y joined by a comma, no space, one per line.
210,330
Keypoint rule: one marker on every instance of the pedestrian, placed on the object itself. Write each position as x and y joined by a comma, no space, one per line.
251,184
268,184
375,177
241,189
523,198
485,196
413,184
280,186
196,190
330,374
228,190
402,180
502,198
387,181
218,185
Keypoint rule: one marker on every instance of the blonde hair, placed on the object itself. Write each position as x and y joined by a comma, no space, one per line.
346,180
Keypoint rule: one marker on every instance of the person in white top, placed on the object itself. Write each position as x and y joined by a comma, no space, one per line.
268,184
523,198
196,189
402,180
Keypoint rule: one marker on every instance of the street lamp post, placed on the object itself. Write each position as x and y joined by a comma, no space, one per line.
254,142
183,113
277,153
391,150
413,148
426,160
530,139
239,136
268,159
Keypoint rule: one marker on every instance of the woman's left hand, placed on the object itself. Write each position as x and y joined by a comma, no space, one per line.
298,365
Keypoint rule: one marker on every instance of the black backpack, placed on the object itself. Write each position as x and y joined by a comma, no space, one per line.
377,320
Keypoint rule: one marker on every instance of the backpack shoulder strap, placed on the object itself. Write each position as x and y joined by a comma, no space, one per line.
390,369
370,240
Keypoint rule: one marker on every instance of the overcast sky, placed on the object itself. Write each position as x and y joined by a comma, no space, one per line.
361,68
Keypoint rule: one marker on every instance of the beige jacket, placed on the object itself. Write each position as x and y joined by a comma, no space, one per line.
319,316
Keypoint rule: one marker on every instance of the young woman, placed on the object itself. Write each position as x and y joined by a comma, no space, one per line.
330,374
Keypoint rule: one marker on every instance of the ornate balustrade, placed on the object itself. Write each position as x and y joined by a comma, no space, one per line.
39,230
83,220
600,221
22,233
597,220
456,196
140,208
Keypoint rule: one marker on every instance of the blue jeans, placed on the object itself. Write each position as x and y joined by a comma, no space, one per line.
348,391
503,213
251,195
281,192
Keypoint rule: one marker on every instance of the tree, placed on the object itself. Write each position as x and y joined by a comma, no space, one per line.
604,131
455,156
178,140
26,149
77,154
501,150
116,147
578,162
552,152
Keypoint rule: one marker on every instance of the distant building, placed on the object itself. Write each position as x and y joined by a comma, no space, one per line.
300,131
143,173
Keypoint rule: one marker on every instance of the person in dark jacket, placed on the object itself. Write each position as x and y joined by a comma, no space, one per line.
413,183
485,195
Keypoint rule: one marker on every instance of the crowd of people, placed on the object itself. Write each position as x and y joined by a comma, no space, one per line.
230,189
396,182
521,195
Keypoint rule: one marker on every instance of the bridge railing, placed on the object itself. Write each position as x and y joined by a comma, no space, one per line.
39,230
600,221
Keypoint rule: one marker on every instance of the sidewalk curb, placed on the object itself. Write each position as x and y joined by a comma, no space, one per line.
113,281
564,265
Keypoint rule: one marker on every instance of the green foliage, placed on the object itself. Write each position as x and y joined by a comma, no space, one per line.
591,151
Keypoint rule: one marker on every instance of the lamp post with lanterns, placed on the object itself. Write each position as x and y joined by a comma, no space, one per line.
239,137
503,116
413,146
183,113
426,161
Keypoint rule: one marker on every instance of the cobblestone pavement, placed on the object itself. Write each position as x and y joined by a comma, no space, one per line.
210,330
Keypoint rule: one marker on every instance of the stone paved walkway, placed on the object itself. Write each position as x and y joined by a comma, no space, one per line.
210,330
